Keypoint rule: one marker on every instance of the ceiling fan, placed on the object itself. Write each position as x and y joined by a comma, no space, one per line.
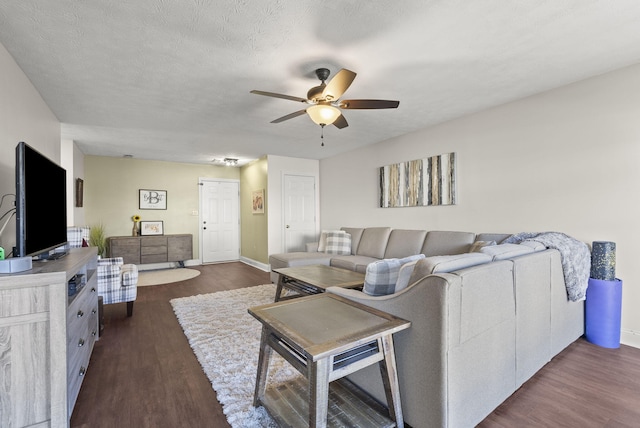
324,100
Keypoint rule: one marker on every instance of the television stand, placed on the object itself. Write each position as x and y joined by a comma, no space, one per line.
54,256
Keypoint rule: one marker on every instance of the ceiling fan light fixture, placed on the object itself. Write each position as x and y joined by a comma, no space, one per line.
230,161
323,114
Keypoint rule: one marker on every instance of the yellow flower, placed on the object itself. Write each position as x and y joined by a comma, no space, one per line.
136,218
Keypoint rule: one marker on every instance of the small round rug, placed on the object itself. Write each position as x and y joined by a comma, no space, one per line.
165,276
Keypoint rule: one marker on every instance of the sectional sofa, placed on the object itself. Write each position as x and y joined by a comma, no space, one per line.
478,332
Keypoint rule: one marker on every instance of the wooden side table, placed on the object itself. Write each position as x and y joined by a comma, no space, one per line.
326,337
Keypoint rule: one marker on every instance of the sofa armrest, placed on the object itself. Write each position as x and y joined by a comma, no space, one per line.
129,275
312,247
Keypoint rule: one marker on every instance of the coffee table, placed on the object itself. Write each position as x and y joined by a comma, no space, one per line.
314,279
326,337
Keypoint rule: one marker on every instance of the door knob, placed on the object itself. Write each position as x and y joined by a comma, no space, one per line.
287,226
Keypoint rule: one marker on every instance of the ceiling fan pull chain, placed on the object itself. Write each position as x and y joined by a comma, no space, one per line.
322,135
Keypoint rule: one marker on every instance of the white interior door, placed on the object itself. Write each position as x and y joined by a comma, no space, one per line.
220,220
299,197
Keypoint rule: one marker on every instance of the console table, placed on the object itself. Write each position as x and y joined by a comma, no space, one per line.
151,249
47,338
326,337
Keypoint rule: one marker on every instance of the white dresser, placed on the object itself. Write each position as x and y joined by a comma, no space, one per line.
46,339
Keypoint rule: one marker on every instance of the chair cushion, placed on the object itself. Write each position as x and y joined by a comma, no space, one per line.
381,276
338,243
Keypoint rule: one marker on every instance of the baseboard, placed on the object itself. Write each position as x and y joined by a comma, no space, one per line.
167,265
262,266
630,338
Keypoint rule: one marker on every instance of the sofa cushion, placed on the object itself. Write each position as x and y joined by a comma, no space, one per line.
506,251
298,258
322,243
498,237
356,234
374,242
338,243
478,245
354,263
381,276
403,243
535,245
443,264
438,243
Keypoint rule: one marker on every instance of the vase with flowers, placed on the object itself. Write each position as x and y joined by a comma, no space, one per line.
135,231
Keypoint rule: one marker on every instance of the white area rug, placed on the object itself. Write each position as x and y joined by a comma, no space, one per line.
226,341
165,276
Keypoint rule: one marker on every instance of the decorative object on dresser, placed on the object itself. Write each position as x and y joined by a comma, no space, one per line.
135,231
48,337
151,228
152,199
151,249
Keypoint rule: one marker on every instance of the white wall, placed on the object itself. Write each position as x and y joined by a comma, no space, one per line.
277,167
566,160
24,116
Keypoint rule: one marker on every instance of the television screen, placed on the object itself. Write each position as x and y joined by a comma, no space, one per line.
41,203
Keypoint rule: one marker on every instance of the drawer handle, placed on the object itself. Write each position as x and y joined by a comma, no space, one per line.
80,343
93,311
80,314
82,371
93,333
93,289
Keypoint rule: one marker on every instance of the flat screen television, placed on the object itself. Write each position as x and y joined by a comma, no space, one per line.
41,203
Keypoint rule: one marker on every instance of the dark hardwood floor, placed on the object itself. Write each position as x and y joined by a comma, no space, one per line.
144,374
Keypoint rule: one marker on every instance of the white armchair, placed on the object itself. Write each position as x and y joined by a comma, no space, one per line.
117,282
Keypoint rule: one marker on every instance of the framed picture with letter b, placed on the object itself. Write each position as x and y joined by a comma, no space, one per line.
153,199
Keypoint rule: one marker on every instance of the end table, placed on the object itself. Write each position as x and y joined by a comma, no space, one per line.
326,337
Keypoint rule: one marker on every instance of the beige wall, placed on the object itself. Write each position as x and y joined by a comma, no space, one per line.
24,116
111,193
254,241
566,160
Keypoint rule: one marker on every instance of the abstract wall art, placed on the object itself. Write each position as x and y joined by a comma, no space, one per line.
421,182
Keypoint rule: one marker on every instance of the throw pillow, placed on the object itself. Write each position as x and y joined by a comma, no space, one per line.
338,243
322,244
382,275
478,245
404,275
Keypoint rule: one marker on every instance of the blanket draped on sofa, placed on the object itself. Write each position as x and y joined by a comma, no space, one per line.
576,258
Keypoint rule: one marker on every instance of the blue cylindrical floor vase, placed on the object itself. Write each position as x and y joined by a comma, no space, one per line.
603,309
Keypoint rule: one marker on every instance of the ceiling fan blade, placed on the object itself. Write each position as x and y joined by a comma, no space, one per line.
368,104
275,95
289,116
341,122
338,84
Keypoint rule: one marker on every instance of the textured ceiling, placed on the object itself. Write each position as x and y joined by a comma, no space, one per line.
170,79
